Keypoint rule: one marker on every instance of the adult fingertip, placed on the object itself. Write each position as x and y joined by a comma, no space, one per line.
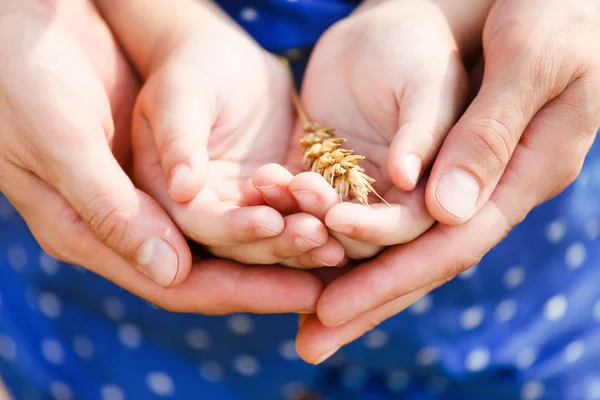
452,198
158,260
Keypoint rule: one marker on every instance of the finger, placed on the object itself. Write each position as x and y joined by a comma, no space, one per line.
205,219
561,131
316,342
302,233
400,222
480,146
316,197
313,194
331,254
272,182
213,286
177,113
429,106
122,217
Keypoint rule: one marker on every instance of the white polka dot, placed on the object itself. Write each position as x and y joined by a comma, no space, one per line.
113,308
532,390
427,356
555,231
573,352
437,384
249,14
592,389
295,391
211,371
514,276
592,229
555,308
6,210
471,318
353,376
478,359
198,339
240,324
83,347
50,305
576,255
287,350
48,264
397,380
8,348
112,392
421,306
596,311
17,257
53,351
246,365
376,339
468,273
60,391
506,310
526,357
130,336
160,383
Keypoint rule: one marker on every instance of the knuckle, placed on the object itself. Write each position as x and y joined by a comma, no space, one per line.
171,143
107,219
490,137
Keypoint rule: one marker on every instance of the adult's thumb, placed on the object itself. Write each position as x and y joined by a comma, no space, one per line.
122,217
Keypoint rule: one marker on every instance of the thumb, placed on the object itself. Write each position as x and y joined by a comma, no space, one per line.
177,111
123,218
479,147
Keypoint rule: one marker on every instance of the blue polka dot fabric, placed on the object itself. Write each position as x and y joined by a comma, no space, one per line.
523,324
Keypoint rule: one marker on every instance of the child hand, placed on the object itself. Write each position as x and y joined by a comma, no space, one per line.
389,79
214,108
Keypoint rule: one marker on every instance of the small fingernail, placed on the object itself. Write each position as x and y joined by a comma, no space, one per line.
273,190
343,229
302,243
458,192
179,175
319,261
263,232
158,260
326,356
412,165
305,198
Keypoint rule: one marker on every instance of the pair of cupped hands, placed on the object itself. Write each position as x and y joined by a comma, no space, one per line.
468,117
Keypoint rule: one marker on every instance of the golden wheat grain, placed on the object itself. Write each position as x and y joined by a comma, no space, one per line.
323,154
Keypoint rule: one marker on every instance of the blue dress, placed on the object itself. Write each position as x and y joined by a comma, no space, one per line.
523,324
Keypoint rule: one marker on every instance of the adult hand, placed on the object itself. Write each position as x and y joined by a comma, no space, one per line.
61,74
522,141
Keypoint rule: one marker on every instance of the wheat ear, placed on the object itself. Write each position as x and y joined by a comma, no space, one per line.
324,155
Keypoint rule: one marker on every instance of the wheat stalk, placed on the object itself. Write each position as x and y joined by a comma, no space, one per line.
323,153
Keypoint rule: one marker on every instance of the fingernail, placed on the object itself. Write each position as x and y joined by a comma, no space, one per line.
305,198
302,243
179,174
412,166
273,190
158,260
319,261
263,232
458,192
326,356
343,229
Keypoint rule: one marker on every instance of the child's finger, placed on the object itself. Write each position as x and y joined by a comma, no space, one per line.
302,233
176,112
272,182
313,194
429,107
331,254
402,221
